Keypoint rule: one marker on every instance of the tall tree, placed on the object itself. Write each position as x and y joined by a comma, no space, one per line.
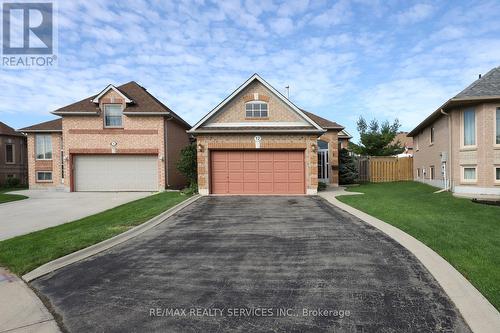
348,172
377,139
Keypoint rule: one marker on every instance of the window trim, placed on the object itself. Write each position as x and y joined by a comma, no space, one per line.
42,180
462,129
104,115
462,174
495,180
13,153
44,152
432,172
416,142
496,128
418,173
256,102
432,134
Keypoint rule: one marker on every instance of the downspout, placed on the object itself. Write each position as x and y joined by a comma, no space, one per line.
165,155
449,161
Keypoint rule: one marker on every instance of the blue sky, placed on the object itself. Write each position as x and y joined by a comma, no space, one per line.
341,59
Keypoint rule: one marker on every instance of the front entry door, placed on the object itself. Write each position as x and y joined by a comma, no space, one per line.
323,166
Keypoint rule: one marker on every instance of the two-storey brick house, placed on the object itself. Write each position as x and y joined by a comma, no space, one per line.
121,139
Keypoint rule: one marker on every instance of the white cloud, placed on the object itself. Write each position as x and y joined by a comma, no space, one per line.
339,13
282,25
416,13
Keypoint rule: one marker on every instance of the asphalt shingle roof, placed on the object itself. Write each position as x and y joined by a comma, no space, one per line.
487,85
143,102
7,130
51,125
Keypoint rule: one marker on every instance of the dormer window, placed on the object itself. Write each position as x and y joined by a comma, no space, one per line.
113,115
256,109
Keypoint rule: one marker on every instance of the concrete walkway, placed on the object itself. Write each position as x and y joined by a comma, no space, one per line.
20,309
480,315
44,209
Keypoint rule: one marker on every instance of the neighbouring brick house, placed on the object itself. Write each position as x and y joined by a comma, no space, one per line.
122,139
13,155
458,145
256,141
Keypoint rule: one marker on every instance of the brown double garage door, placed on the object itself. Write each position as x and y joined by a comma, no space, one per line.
257,172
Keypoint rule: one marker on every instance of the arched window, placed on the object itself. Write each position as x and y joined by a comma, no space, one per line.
322,144
256,109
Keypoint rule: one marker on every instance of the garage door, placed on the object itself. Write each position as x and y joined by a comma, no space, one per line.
116,173
257,172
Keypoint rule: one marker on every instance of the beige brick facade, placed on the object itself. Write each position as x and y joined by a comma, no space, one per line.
484,156
53,165
209,142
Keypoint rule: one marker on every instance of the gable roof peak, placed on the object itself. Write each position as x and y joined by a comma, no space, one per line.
268,86
108,88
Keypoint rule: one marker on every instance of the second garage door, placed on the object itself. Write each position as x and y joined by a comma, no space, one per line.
116,173
257,172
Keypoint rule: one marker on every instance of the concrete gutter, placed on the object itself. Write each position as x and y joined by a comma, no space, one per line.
479,314
106,244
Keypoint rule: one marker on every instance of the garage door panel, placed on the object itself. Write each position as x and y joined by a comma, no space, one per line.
257,172
115,173
250,177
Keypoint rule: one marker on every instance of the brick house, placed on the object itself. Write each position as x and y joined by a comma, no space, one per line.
13,155
122,139
256,141
458,145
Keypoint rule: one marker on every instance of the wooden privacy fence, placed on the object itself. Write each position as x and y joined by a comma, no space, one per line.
384,169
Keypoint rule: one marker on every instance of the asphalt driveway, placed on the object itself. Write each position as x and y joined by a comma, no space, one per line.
252,264
44,209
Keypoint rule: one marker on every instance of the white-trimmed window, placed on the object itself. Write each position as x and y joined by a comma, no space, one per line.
497,174
469,127
44,176
469,174
113,114
43,146
9,153
432,135
256,109
497,127
433,172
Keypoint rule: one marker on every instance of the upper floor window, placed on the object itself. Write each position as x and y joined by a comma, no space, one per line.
9,153
43,146
498,127
469,126
432,135
256,110
113,115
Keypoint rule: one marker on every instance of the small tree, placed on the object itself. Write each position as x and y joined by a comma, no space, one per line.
187,164
376,139
347,168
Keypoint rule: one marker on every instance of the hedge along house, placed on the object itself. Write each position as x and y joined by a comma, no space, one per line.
256,141
121,139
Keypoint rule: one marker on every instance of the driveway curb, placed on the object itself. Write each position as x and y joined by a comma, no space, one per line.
479,314
106,244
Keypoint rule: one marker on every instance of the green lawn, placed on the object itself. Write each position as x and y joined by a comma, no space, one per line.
4,197
466,234
24,253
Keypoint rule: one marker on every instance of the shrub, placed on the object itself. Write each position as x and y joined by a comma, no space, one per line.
187,164
347,168
13,182
321,186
